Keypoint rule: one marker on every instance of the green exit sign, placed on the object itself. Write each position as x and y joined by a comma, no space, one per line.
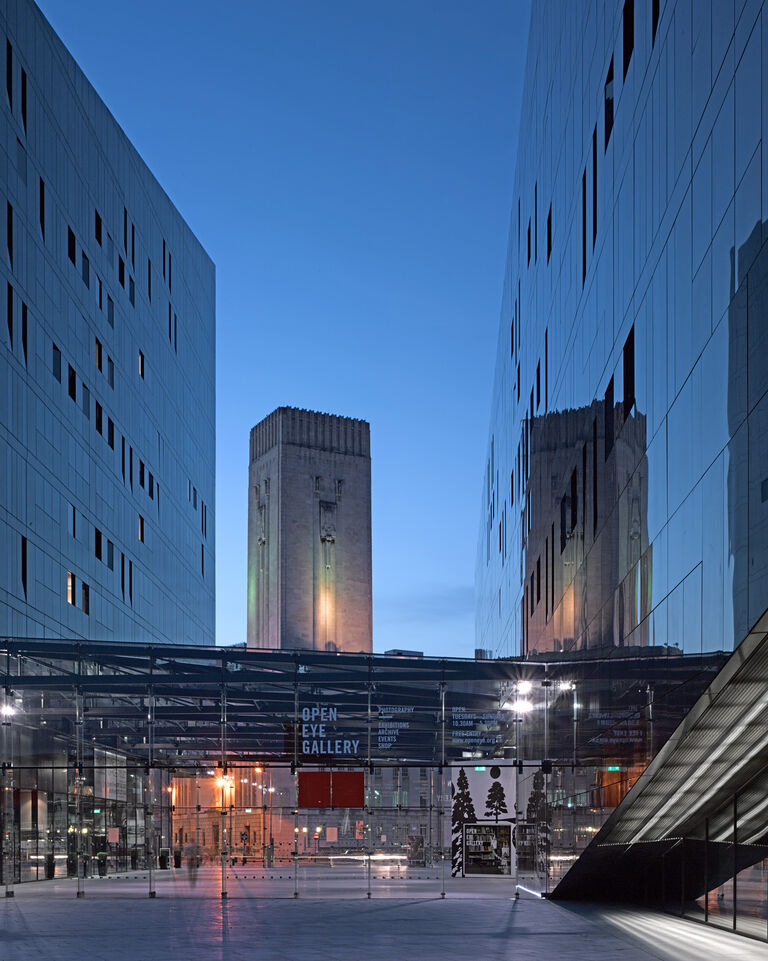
479,768
613,767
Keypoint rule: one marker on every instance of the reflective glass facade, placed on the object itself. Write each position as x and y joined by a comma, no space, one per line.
107,367
625,489
624,508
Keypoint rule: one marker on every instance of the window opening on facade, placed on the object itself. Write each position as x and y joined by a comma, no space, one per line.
609,418
10,234
549,233
608,98
629,33
629,372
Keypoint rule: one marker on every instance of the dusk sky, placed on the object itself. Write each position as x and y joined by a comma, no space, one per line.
349,168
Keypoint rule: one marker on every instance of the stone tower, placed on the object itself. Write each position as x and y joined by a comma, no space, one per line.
309,532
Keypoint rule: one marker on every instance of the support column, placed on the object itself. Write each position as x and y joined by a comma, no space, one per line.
296,781
441,812
150,808
197,816
223,738
369,785
79,786
8,825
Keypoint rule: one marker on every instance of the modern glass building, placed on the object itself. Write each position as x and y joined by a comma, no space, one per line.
107,360
624,512
625,494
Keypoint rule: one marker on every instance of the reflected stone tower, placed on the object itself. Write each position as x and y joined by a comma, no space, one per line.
309,532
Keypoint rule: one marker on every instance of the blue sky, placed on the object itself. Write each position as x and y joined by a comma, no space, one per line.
349,167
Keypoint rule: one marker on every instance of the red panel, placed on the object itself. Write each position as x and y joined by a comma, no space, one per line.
314,789
348,789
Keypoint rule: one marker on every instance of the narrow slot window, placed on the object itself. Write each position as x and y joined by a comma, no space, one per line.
121,271
56,363
99,418
538,385
99,355
9,314
24,331
71,246
552,562
72,383
9,234
141,365
529,243
609,418
629,33
85,401
111,372
111,432
654,20
97,226
97,543
629,373
71,588
24,564
594,476
538,579
110,555
141,528
86,269
110,311
9,72
608,104
574,500
131,292
549,233
594,187
86,598
42,207
563,532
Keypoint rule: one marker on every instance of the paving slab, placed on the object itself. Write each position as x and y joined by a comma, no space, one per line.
46,922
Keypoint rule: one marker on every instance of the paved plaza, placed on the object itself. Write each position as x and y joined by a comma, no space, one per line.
116,921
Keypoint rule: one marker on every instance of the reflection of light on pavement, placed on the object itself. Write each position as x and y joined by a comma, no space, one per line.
364,857
522,887
683,940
